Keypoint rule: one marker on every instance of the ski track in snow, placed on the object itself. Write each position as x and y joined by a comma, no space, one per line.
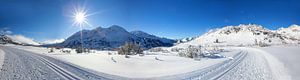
258,65
19,66
249,64
253,67
2,54
24,65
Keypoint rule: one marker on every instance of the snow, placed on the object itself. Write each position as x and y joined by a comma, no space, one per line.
289,56
293,31
254,64
24,65
22,39
241,35
136,66
113,37
146,35
257,65
2,54
53,41
277,67
148,66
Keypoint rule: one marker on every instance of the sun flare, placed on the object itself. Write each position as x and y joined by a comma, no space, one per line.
80,17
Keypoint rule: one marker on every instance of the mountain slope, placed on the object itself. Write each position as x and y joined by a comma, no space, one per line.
16,39
112,37
250,34
292,31
146,35
6,40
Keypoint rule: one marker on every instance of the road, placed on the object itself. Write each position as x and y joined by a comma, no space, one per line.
24,65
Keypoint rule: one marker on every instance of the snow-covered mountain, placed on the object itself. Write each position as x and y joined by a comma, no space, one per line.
242,35
292,31
16,39
6,40
184,40
113,37
146,35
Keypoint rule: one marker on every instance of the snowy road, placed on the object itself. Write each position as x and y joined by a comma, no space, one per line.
24,65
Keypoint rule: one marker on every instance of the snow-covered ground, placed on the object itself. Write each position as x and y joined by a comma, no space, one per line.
25,65
148,66
248,63
258,65
289,56
2,54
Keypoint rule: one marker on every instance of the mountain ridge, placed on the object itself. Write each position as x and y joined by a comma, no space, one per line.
243,34
111,38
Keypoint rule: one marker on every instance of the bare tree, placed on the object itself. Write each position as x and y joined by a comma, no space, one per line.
194,52
130,49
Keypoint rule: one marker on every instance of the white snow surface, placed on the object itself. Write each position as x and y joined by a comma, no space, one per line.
2,54
242,35
289,56
148,66
258,64
53,41
22,39
293,31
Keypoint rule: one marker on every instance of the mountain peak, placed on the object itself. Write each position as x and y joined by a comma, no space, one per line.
138,32
98,28
116,27
294,26
113,37
249,26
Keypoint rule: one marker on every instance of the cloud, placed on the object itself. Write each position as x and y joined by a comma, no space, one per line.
5,31
23,39
53,41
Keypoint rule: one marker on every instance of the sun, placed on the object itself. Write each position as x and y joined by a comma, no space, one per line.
80,17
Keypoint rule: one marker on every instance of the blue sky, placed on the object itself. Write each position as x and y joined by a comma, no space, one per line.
50,19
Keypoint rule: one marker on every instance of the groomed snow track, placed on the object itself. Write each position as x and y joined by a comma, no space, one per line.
25,65
67,75
213,72
216,71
